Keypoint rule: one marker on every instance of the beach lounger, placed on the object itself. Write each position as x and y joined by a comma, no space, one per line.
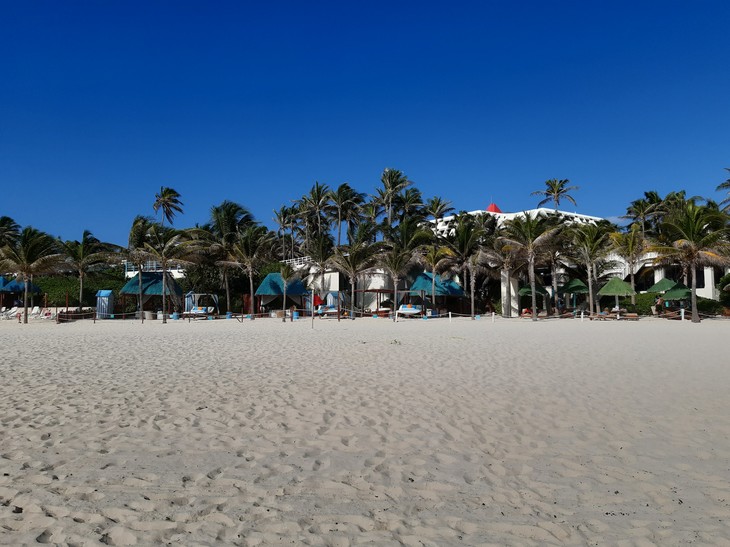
11,313
327,310
629,316
409,310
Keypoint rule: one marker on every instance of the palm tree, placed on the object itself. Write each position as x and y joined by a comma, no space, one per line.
555,191
394,182
32,252
409,204
640,211
165,245
590,244
252,248
169,201
315,207
630,246
437,208
135,251
501,256
320,250
464,244
725,186
82,256
345,204
288,274
400,251
698,237
226,220
435,257
355,258
529,236
9,231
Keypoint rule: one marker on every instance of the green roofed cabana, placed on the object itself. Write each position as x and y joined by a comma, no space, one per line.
152,287
664,284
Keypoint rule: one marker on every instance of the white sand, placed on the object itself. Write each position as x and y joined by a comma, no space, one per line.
365,432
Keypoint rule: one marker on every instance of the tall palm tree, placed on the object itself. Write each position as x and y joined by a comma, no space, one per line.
315,207
437,208
288,274
9,231
639,212
320,251
401,250
409,204
82,256
529,235
394,182
698,237
226,220
32,252
166,245
252,248
556,191
345,204
168,200
136,252
354,259
630,246
589,245
464,244
502,257
436,256
725,203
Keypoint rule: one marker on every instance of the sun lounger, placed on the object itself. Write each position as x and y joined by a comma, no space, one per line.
11,313
409,310
327,310
199,311
629,316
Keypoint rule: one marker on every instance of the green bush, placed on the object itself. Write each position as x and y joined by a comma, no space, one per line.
724,295
57,287
709,307
643,305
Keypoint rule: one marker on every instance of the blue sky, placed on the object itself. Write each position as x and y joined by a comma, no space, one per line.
101,103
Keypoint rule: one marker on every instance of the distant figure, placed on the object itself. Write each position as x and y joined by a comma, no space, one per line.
659,304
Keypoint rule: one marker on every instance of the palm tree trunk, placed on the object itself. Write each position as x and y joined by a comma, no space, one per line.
531,264
633,287
590,290
250,284
507,312
81,288
25,302
695,311
395,297
339,226
471,290
352,297
139,297
228,291
283,303
595,278
554,274
164,291
433,288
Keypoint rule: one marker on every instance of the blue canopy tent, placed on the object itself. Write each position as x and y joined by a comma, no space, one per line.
17,286
272,287
444,287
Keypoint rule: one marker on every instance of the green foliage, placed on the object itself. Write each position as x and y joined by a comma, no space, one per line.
724,295
57,287
709,307
644,302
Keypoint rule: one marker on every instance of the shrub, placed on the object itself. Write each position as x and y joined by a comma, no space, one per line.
709,307
724,295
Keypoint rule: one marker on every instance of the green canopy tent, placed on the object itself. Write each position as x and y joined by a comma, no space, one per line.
527,291
573,287
151,287
664,284
678,292
616,287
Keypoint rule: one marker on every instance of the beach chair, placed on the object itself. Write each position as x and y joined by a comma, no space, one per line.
409,310
11,313
35,313
327,310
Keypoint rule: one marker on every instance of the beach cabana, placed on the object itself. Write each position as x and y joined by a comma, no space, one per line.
616,287
444,287
678,291
193,301
104,304
272,287
152,287
664,284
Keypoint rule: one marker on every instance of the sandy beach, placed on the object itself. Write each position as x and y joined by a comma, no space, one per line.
365,432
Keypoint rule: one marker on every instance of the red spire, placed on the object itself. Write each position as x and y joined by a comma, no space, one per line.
493,208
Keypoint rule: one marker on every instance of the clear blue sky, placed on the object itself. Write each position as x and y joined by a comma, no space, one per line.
101,103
